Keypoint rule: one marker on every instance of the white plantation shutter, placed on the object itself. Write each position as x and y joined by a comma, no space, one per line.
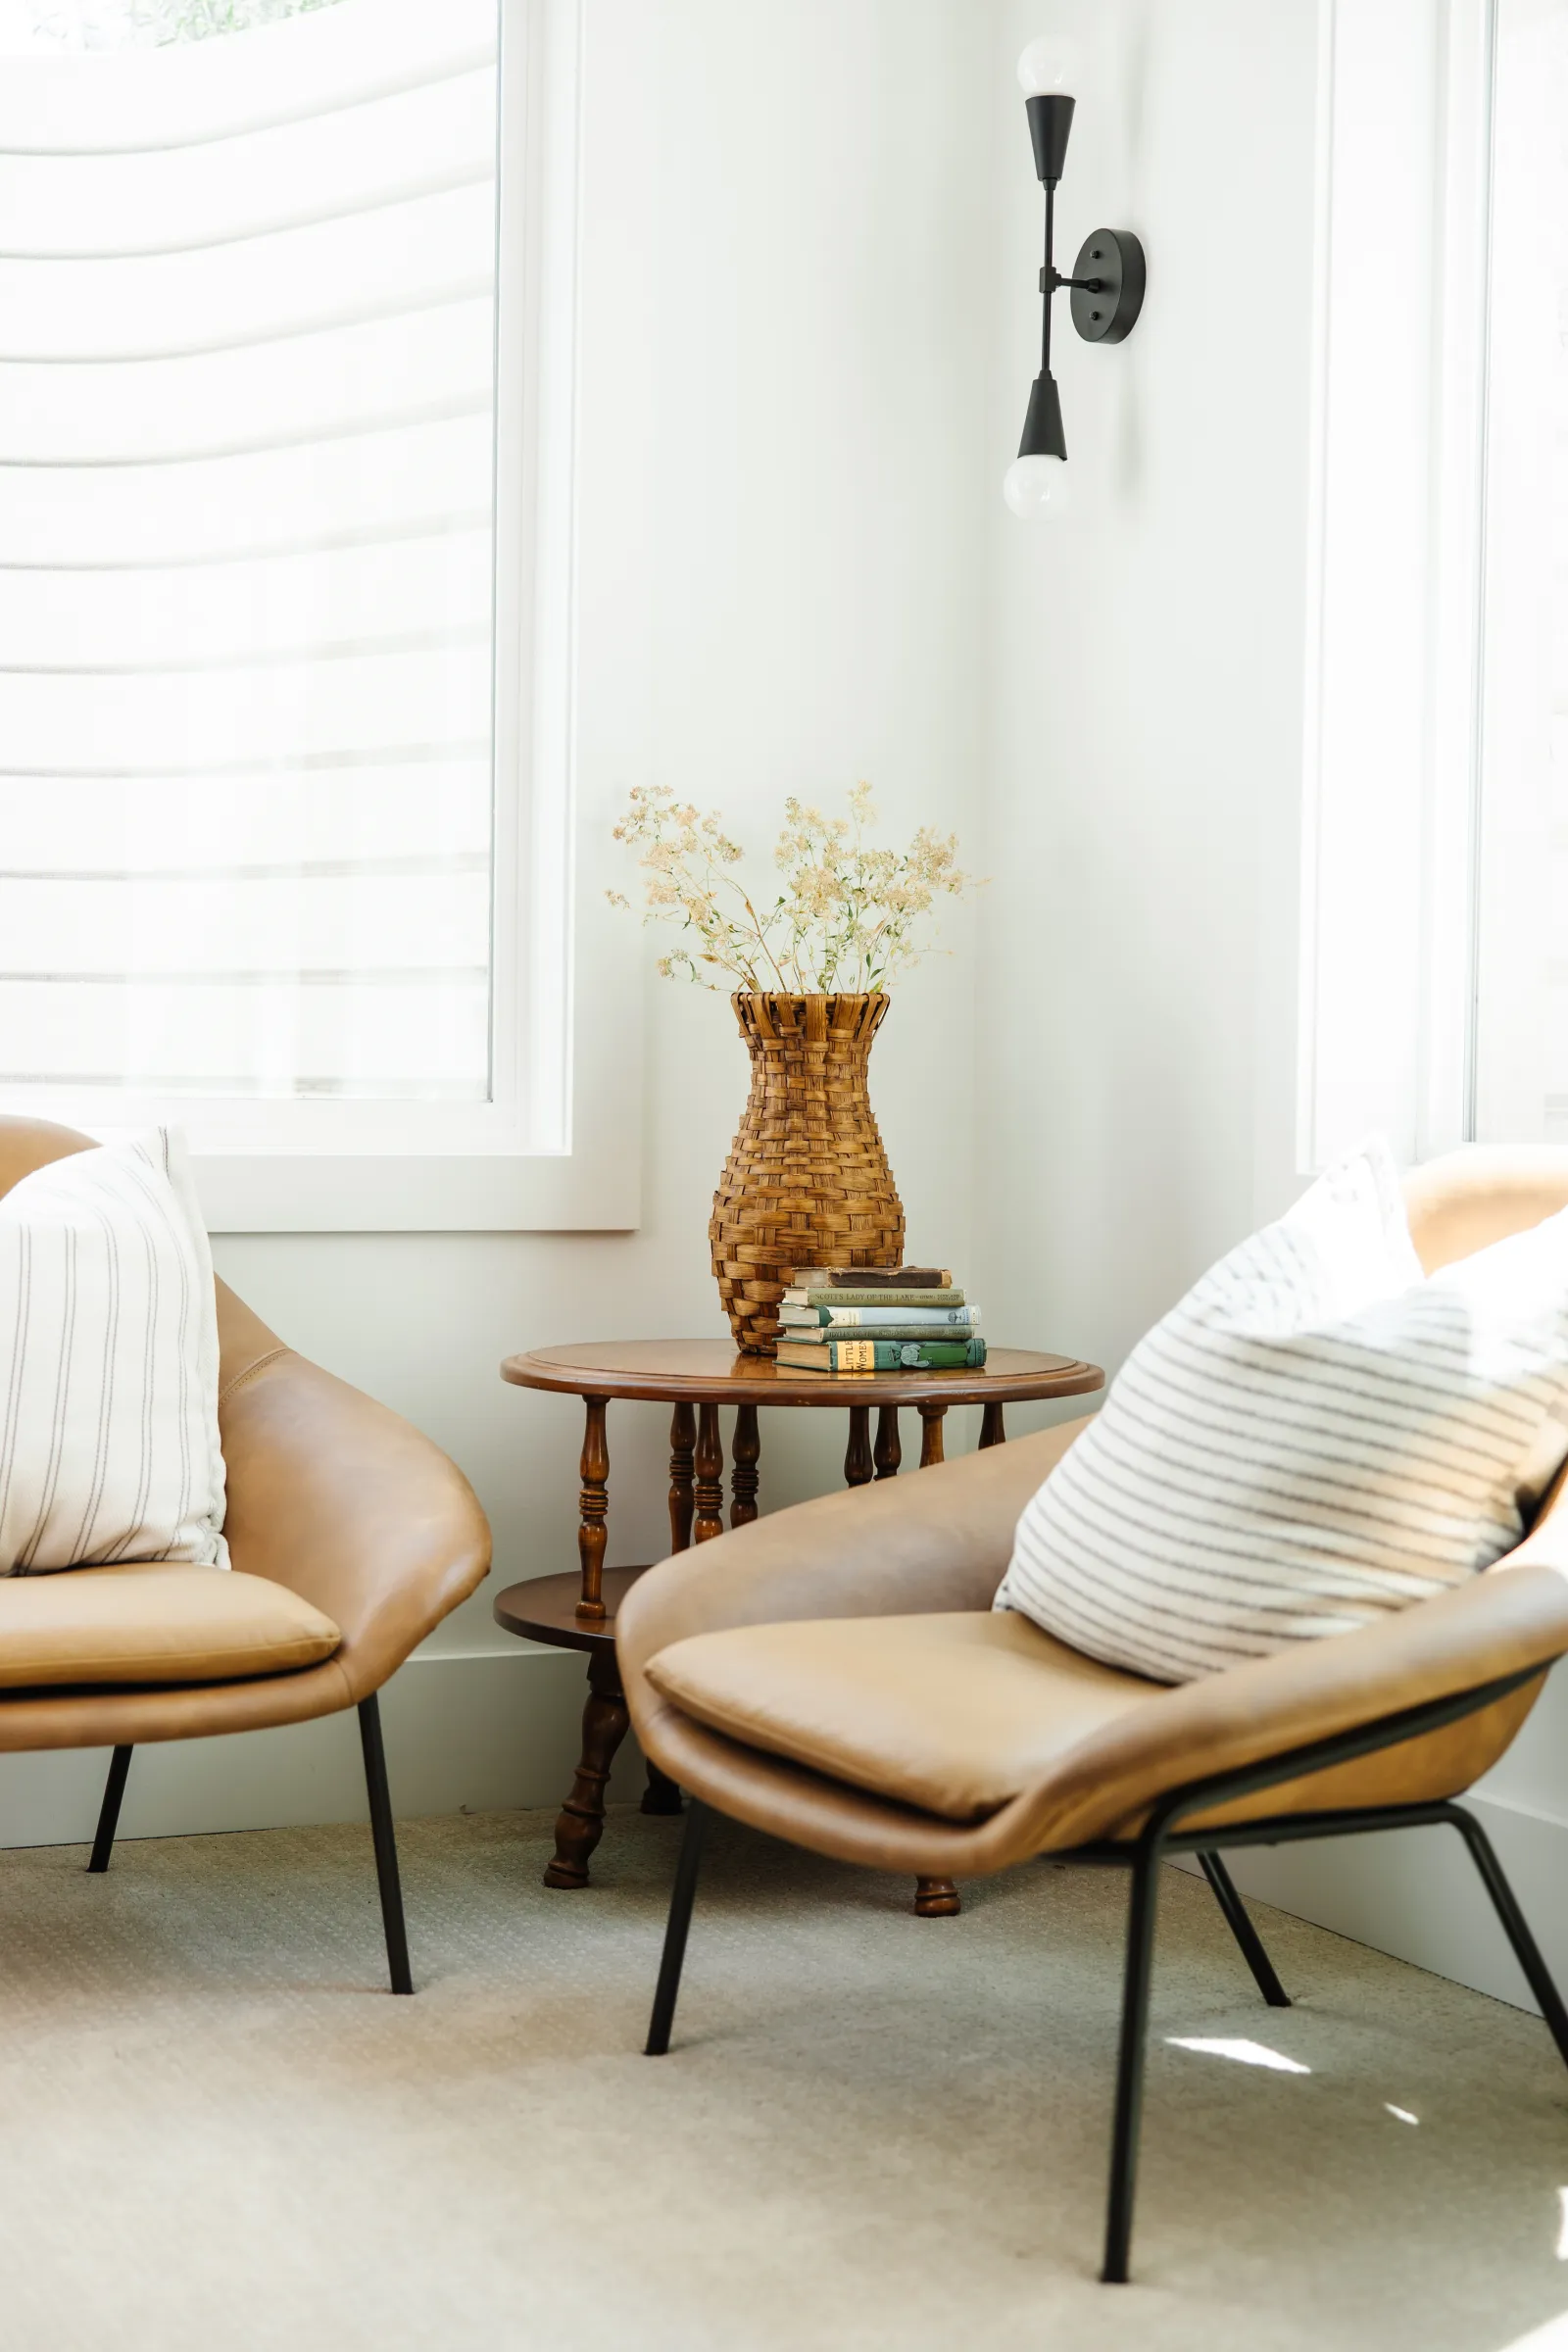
247,416
1522,975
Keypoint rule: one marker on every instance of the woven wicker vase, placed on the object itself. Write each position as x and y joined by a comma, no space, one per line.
807,1182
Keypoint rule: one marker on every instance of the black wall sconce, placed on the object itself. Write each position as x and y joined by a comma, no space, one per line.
1106,286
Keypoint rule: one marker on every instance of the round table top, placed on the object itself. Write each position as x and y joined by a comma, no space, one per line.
545,1609
711,1372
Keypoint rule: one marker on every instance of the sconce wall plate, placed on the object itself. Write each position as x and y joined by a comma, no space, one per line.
1109,285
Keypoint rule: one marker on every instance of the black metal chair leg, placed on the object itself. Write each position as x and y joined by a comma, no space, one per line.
1239,1921
386,1846
682,1896
1140,1966
103,1845
1515,1925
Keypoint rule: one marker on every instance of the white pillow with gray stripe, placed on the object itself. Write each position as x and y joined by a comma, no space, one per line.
1315,1435
109,1445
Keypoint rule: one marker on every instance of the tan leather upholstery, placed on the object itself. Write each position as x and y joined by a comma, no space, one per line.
157,1622
330,1497
955,1714
1464,1201
846,1736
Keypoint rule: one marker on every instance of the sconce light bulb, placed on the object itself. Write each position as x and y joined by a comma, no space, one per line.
1038,489
1050,67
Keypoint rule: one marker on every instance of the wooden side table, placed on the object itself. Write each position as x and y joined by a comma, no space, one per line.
696,1377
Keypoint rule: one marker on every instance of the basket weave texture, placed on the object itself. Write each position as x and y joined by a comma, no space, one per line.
807,1182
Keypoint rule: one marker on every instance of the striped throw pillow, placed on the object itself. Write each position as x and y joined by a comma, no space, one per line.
109,1445
1315,1434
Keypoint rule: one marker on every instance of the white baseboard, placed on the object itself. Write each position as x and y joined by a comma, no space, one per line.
1416,1893
479,1733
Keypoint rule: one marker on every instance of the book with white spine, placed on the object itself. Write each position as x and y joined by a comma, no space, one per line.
919,1320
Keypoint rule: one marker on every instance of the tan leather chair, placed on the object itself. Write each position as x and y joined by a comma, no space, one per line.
351,1537
836,1675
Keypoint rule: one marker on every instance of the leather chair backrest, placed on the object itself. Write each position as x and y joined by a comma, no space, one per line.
29,1144
1469,1199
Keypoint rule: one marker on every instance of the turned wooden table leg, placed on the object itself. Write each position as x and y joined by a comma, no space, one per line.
993,1427
710,1475
662,1794
593,1505
746,1448
888,1453
682,1446
858,1452
934,1898
581,1821
932,1417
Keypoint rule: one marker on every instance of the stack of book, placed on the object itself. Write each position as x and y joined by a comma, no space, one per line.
849,1319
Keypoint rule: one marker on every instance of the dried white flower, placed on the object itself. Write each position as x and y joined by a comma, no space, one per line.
843,921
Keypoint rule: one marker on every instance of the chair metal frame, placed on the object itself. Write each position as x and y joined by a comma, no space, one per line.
382,1834
1162,1836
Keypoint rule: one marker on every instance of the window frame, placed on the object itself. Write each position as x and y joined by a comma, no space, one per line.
1393,742
556,1145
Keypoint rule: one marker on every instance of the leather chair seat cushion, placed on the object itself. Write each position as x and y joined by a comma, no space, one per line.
154,1623
952,1713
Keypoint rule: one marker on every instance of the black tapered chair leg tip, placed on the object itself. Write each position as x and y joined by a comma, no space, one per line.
383,1836
682,1896
103,1844
1239,1922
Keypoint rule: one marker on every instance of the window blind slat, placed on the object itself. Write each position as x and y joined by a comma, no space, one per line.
248,610
187,97
69,205
65,310
362,1043
345,814
337,382
401,480
361,705
422,923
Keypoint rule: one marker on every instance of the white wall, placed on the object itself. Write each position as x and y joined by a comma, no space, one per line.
1146,683
782,427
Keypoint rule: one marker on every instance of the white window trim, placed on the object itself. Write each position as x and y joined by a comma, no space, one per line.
1392,750
556,1148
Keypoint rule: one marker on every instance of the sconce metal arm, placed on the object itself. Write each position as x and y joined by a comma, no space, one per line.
1052,281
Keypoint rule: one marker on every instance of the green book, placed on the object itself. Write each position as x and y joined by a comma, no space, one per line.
882,1355
921,1302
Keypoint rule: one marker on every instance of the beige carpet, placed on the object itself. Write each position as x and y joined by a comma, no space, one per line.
873,2130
